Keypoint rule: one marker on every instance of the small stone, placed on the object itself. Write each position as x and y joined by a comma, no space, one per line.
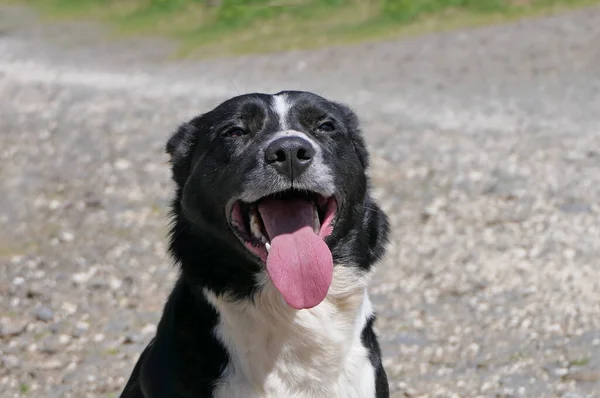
44,314
48,347
35,291
575,207
560,372
585,375
133,338
70,378
81,277
80,329
18,281
11,328
51,364
122,164
98,284
69,308
115,284
67,236
434,207
16,259
64,339
93,203
10,362
53,204
98,337
149,329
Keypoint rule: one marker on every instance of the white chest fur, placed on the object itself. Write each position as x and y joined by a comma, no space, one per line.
278,352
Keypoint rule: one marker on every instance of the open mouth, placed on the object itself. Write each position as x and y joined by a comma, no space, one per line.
287,231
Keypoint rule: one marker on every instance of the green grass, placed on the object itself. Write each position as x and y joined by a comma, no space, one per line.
111,351
579,362
248,26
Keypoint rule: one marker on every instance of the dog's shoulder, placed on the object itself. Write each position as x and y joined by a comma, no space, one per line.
184,357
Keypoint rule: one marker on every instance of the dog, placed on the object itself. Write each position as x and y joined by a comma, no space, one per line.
276,234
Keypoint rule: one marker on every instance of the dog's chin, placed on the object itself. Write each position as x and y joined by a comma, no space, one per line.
286,232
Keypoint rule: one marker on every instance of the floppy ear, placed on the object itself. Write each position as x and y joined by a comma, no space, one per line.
180,147
358,143
377,227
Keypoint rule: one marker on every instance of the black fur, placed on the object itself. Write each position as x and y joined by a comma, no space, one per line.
369,340
214,160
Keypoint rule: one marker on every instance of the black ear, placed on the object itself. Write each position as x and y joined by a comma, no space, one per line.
351,120
377,226
180,147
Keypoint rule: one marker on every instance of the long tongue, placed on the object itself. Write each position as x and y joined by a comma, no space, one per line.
299,262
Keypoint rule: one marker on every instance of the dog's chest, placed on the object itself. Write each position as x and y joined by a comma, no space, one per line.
311,353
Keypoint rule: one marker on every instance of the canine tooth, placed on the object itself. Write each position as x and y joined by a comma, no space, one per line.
268,246
255,226
316,221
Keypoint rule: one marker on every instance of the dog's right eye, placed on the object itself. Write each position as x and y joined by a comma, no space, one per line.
234,132
327,127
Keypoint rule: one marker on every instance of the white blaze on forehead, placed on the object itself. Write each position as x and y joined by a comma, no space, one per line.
281,107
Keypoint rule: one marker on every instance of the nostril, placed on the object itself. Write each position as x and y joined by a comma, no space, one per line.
304,154
275,156
280,156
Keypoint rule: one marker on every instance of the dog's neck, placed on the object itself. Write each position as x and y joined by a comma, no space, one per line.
275,349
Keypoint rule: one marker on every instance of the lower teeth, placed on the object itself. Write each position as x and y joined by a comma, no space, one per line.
268,246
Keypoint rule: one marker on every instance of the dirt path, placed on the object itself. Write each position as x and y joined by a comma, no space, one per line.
486,155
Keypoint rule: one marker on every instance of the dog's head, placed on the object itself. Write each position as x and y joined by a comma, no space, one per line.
276,183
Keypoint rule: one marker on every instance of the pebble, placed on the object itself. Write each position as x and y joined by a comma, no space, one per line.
149,329
18,281
64,339
584,375
81,328
133,338
67,236
11,328
122,164
560,372
48,347
44,314
98,284
35,291
52,363
576,207
10,362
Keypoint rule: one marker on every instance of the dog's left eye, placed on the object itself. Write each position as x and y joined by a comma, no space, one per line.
234,132
326,127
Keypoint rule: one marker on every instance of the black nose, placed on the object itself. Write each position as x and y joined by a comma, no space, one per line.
290,155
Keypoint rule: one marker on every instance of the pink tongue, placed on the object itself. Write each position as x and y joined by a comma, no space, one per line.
299,262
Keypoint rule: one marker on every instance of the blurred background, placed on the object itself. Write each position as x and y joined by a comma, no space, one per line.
482,117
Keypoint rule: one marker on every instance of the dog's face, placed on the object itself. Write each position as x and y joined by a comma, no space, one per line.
280,179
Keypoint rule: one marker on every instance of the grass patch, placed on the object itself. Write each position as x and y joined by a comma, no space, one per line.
111,352
248,26
19,249
23,388
579,362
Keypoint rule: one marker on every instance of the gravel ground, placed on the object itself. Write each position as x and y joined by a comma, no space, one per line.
486,155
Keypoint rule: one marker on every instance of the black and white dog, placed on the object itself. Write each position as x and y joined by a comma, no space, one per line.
276,235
